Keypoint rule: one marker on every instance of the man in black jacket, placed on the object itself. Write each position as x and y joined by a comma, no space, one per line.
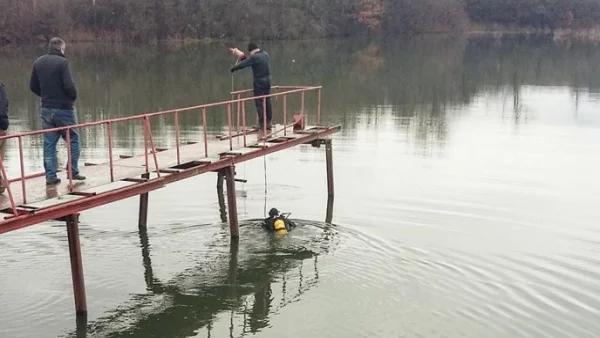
51,80
3,128
260,61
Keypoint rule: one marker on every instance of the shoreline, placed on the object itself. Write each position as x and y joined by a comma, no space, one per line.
591,34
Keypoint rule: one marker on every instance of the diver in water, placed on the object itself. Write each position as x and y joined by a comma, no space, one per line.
278,223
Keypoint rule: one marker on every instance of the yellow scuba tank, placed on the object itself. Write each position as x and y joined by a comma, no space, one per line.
279,227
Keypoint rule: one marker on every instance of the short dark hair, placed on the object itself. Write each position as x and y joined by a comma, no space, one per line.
56,44
252,46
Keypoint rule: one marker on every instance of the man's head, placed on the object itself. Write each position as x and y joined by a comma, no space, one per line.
57,44
252,46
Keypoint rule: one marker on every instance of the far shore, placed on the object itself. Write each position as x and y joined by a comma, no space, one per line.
473,30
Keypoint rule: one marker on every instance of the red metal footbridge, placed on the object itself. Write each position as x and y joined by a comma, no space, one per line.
28,201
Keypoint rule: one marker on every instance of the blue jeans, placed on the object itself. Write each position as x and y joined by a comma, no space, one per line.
56,118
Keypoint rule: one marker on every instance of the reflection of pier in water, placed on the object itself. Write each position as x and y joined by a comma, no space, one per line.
30,201
242,288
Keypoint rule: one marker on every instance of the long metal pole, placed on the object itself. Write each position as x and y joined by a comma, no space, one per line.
204,129
302,107
69,156
234,228
319,107
285,114
7,186
239,111
143,214
146,148
177,137
76,264
229,126
244,120
153,148
329,163
21,160
264,115
110,152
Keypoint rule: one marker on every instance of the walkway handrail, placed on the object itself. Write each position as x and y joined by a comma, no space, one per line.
149,146
272,87
164,112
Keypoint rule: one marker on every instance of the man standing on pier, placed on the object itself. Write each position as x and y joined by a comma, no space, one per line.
260,61
51,80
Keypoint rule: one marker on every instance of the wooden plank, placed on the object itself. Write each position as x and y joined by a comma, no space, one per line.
53,201
239,151
108,187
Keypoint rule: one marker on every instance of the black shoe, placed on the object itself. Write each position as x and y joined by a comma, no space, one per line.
53,182
260,126
78,177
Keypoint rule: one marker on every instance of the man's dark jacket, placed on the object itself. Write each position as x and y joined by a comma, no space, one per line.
259,62
3,108
51,80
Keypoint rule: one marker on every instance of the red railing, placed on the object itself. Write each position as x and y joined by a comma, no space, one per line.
282,92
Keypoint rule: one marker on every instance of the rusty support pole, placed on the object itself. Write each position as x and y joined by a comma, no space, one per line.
329,163
234,228
143,215
234,246
146,260
76,264
319,107
329,210
221,196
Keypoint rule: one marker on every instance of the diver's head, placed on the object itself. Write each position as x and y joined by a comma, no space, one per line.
273,213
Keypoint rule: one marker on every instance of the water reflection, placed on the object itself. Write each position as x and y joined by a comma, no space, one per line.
462,160
422,82
241,284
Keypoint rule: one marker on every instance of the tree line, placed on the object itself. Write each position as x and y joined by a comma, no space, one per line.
152,20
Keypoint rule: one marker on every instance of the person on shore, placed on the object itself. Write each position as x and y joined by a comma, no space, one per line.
52,81
260,61
3,129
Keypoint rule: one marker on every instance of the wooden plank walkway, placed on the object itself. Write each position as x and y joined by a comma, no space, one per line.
98,176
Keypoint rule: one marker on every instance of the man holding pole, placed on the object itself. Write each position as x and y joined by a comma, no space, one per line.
260,61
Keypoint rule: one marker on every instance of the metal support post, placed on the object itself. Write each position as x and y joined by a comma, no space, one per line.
329,161
143,216
76,264
234,227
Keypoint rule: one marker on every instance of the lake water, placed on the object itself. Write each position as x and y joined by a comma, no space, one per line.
466,179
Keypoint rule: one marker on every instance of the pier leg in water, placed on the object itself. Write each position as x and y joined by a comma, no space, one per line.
143,219
81,323
221,196
146,260
329,162
233,266
234,227
329,212
76,264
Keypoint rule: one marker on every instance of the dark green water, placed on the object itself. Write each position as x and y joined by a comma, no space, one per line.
466,198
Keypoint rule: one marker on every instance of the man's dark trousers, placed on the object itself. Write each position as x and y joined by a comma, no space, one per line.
263,87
